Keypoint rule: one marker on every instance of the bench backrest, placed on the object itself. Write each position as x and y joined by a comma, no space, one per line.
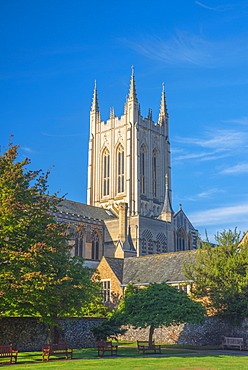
54,347
5,350
104,344
230,340
144,342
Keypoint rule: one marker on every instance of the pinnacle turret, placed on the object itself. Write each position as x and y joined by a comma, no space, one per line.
94,105
132,90
167,211
163,113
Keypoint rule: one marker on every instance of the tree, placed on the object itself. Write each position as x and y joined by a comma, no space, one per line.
155,306
38,277
220,276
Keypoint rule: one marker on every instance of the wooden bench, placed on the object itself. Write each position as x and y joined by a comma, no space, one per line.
8,352
233,342
56,349
145,346
106,347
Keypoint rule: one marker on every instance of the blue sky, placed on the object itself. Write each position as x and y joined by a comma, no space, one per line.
52,51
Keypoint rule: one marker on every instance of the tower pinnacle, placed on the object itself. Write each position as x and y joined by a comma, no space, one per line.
132,90
94,105
163,114
167,212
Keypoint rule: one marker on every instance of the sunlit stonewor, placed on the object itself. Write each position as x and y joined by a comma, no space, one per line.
129,211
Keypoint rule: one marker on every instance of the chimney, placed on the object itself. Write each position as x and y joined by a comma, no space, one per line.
122,221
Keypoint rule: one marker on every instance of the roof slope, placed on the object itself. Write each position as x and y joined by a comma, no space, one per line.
116,264
85,210
156,268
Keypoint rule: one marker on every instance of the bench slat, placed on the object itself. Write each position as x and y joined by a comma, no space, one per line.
8,352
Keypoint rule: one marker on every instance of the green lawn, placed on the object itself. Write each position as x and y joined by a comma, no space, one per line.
128,358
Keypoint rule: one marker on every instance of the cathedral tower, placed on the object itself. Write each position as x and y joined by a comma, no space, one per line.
129,158
129,173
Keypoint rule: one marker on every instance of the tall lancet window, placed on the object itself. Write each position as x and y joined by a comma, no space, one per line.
142,169
95,255
106,163
120,169
154,173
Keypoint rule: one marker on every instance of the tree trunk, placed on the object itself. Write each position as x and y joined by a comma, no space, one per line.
151,331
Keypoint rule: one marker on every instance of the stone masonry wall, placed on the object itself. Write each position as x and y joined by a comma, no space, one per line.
28,334
210,333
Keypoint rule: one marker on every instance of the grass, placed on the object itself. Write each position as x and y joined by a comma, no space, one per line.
129,359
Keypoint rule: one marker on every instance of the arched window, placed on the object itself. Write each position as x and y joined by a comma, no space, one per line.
150,246
164,247
144,247
181,240
154,172
158,247
120,170
142,169
95,246
79,244
106,171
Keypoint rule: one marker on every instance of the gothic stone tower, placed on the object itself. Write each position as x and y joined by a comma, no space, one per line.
129,162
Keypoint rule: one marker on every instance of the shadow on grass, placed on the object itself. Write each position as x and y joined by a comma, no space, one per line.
91,353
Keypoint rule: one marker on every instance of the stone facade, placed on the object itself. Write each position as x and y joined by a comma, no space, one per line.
28,334
209,334
130,166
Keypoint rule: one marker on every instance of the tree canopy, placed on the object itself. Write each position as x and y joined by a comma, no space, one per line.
38,277
156,305
220,276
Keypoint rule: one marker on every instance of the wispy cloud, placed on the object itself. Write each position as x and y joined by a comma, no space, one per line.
220,8
192,49
239,121
234,170
218,139
217,144
221,215
207,194
27,149
205,156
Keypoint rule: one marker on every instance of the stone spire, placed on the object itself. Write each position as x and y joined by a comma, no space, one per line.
167,211
163,113
132,90
94,105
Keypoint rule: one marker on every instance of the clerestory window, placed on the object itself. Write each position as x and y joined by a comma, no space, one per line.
142,169
95,246
154,173
120,170
106,172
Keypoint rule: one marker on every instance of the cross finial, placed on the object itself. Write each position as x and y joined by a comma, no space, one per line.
163,86
132,68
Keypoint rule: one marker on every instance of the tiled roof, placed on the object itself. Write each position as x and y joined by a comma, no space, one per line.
156,268
84,210
116,265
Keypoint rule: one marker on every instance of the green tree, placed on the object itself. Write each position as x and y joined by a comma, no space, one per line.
155,306
38,277
220,276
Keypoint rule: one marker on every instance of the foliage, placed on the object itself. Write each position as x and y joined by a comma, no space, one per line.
220,276
37,275
95,309
108,329
156,305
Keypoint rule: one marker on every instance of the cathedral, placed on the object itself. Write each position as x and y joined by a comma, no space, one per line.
129,198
